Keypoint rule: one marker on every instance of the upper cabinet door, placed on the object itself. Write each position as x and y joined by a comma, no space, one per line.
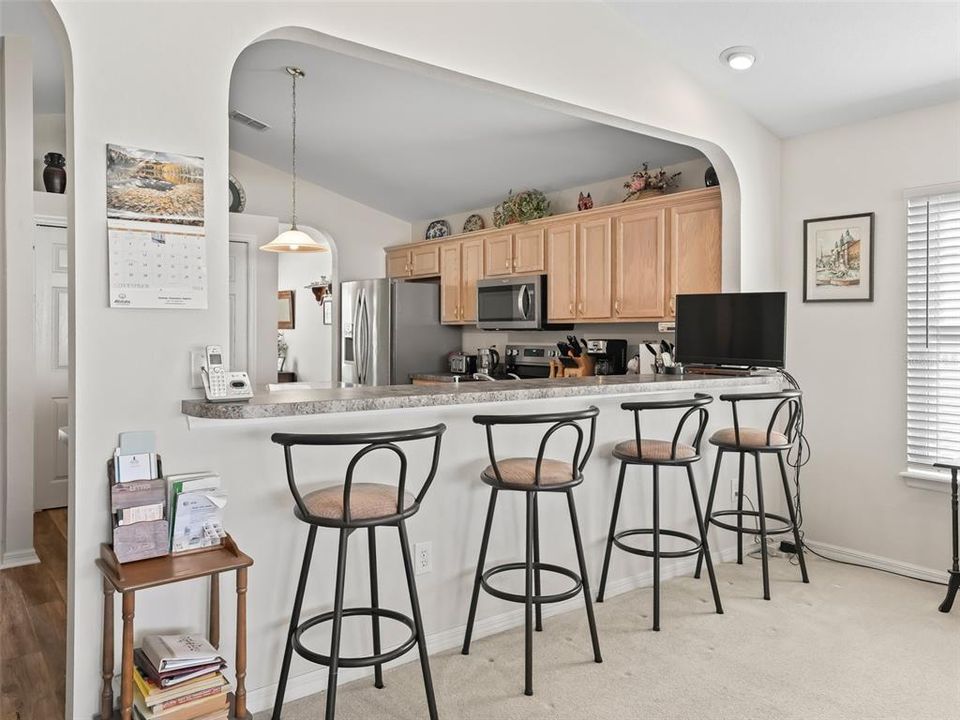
595,270
528,256
471,270
450,282
398,263
498,254
696,249
425,260
640,264
562,272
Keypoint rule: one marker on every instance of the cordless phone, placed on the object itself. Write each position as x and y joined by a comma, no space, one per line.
220,385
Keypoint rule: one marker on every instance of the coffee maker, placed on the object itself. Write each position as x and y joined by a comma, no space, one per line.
610,356
488,360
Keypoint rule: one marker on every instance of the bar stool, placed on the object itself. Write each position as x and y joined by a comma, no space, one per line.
348,507
657,454
533,476
757,441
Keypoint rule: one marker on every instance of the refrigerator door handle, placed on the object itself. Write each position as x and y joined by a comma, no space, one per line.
356,336
365,335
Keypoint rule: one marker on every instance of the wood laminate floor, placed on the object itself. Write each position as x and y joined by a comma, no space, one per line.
33,624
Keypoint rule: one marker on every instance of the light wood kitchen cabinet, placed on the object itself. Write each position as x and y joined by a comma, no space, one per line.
639,276
619,263
471,270
419,261
528,256
594,270
562,272
398,263
461,266
450,282
498,254
696,259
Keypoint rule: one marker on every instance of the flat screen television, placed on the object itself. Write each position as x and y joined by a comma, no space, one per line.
740,329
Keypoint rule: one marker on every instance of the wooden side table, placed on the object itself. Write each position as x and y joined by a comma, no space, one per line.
129,578
953,584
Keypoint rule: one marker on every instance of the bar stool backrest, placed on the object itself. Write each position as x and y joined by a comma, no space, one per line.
695,405
789,399
557,421
372,442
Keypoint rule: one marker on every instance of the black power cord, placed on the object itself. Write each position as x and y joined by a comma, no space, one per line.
797,460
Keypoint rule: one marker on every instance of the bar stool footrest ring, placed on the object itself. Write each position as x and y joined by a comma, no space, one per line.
695,549
786,526
537,599
355,662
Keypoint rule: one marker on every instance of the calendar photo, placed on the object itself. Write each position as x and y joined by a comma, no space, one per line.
153,186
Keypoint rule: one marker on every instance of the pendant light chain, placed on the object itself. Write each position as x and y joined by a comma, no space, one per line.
293,220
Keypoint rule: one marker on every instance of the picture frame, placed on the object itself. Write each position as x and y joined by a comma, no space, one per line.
286,310
838,258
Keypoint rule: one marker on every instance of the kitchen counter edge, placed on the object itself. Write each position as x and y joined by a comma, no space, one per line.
391,397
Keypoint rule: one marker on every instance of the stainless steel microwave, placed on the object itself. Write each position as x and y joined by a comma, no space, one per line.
512,303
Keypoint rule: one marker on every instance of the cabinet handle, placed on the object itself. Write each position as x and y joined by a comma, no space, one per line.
616,307
580,308
571,308
673,304
506,263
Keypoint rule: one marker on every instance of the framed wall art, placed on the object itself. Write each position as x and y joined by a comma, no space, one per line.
838,258
286,310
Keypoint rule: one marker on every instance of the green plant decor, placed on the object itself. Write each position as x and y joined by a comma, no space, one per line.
523,207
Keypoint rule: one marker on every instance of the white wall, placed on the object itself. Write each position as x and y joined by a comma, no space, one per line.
359,231
851,357
309,343
16,327
180,104
605,192
49,135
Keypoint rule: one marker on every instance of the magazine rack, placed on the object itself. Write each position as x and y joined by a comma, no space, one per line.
128,578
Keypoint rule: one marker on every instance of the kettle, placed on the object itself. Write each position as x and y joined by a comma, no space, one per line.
488,360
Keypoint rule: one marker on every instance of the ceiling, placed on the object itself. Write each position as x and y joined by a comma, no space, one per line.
821,64
28,19
415,146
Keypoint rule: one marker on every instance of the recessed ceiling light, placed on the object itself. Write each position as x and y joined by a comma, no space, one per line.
739,57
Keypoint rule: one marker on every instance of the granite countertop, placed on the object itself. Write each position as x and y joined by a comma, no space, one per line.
389,397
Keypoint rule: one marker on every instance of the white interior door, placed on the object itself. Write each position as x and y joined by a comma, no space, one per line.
239,304
51,399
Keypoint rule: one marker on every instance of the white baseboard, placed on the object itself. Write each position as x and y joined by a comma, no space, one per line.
315,681
18,558
876,561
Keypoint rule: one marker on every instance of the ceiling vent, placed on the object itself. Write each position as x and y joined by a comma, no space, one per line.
248,121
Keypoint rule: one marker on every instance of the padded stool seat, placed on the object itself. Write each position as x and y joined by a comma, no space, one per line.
654,450
750,438
523,471
367,501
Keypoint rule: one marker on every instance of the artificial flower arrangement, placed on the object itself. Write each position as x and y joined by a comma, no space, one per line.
525,206
644,182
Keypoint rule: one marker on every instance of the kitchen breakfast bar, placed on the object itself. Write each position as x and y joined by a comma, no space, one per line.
445,535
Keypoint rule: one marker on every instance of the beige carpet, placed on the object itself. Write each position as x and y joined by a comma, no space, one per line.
852,644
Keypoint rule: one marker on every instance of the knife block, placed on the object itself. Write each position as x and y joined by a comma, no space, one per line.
584,366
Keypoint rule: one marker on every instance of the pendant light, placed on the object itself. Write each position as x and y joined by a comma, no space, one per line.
294,240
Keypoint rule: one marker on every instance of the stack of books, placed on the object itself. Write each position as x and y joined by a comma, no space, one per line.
179,677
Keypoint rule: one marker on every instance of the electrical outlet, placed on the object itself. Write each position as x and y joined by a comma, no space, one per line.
197,359
733,492
423,558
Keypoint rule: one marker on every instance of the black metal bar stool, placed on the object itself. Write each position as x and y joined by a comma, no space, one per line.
350,507
756,442
953,584
533,476
657,454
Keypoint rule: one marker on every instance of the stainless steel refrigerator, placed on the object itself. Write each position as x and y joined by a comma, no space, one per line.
390,329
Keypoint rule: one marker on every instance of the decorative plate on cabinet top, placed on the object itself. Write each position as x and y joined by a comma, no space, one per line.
474,222
238,198
437,229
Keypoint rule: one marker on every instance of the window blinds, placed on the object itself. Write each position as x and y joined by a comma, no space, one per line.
933,328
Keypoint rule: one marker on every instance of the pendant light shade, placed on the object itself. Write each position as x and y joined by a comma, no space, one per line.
294,240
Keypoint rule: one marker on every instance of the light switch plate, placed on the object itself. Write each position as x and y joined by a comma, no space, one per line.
667,327
197,358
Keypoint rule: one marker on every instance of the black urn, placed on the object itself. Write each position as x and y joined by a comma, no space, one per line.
54,176
710,178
